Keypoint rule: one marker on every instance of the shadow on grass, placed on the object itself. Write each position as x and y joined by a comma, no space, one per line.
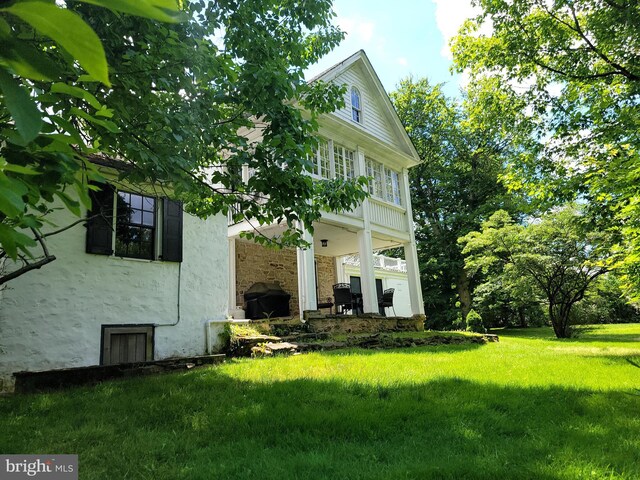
206,425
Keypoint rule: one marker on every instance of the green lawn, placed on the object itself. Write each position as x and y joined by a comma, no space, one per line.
529,407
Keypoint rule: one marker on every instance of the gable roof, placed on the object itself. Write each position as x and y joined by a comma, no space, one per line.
360,57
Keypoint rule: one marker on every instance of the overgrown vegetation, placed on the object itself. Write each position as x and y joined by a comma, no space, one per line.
521,408
549,118
170,102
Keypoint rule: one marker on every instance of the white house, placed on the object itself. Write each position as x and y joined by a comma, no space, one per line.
140,282
145,281
389,273
365,137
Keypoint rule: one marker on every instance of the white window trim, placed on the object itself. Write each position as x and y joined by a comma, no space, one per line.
360,109
383,190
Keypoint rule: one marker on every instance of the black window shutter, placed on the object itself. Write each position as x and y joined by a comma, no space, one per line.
172,231
100,223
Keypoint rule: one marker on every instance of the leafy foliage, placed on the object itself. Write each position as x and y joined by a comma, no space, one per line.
463,146
556,255
42,149
577,64
474,322
173,109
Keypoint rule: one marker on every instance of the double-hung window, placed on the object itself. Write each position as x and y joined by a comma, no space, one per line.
356,105
133,225
322,165
374,172
384,183
344,162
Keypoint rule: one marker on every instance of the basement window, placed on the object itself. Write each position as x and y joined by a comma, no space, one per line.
126,344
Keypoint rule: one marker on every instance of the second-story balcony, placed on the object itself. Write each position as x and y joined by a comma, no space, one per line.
383,211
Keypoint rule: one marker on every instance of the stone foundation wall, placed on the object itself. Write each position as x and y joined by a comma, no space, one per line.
255,263
363,324
326,269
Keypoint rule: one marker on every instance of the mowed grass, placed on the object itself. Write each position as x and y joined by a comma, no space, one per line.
529,407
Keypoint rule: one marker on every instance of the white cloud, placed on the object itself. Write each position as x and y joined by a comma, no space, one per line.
403,61
346,25
357,29
450,15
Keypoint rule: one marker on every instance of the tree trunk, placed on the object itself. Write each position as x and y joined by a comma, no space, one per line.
522,317
464,293
559,316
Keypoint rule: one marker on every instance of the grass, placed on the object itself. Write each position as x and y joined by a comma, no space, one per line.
527,407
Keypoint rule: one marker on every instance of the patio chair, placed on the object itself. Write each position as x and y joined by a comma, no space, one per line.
387,300
342,297
326,304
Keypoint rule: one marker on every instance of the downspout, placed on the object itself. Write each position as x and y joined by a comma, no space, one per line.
177,303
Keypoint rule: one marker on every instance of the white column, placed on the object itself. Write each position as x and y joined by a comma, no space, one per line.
306,276
232,275
367,272
413,277
411,254
341,276
365,245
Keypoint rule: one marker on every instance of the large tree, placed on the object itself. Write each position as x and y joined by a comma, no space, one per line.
577,63
558,254
464,146
172,108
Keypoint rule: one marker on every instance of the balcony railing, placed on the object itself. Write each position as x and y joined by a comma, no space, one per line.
380,262
387,215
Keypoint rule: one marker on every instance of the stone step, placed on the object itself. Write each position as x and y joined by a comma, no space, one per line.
271,348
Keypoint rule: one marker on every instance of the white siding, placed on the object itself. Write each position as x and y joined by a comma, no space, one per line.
374,120
51,318
401,299
396,280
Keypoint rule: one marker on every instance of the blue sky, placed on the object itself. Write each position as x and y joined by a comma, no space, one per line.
401,38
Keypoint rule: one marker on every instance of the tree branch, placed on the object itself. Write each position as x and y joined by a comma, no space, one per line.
621,70
28,267
82,220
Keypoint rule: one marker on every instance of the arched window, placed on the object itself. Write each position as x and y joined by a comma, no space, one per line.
356,105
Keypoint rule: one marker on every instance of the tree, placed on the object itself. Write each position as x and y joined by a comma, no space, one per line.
173,109
577,64
463,146
42,154
557,254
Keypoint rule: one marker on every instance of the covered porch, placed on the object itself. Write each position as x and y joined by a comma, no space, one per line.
308,275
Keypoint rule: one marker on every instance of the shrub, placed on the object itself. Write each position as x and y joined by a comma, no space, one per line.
474,322
459,323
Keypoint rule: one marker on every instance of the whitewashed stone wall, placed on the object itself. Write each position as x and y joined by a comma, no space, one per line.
51,318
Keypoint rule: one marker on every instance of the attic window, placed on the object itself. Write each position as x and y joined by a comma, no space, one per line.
356,105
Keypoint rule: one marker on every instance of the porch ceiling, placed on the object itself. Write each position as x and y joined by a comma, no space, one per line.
341,240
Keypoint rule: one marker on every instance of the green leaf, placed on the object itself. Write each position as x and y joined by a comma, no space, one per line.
70,203
21,106
112,127
10,167
67,127
76,92
11,241
11,193
163,10
26,61
68,30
